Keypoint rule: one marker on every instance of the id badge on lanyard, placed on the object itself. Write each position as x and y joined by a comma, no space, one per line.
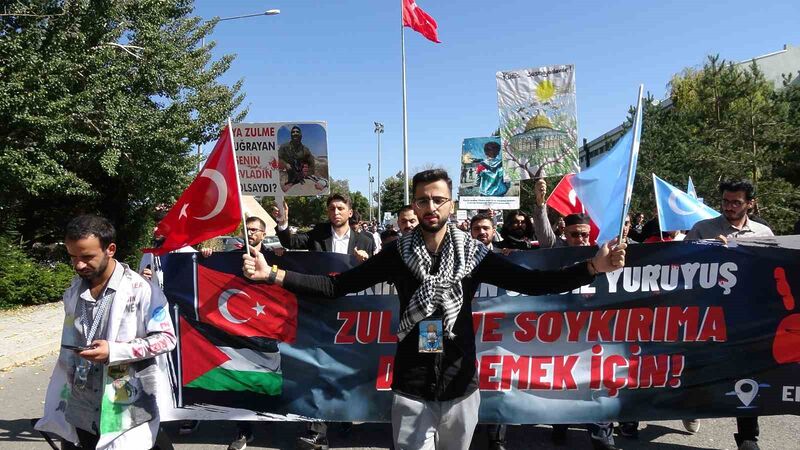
430,335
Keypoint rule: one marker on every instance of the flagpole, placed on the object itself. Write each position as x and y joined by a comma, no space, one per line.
179,367
634,150
238,188
405,116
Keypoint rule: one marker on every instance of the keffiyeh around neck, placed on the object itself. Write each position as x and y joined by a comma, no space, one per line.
460,254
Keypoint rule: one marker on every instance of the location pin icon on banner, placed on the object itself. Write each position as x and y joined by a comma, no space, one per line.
747,394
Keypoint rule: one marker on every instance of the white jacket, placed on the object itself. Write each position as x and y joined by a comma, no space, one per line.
139,327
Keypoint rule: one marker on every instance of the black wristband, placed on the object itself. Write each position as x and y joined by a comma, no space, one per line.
273,274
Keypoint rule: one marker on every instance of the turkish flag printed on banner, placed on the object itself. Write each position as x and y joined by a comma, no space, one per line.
241,308
565,200
209,207
419,20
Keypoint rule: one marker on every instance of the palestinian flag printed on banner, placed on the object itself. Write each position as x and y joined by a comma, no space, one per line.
233,346
215,361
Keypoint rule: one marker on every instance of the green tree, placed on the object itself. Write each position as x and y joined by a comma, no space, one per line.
101,105
392,198
723,122
360,204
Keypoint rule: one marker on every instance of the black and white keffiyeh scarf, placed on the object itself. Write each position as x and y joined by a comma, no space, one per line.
460,254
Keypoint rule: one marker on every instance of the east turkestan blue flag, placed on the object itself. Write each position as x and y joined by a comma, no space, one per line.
692,192
678,210
603,188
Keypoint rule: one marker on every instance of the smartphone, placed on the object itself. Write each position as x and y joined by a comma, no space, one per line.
76,348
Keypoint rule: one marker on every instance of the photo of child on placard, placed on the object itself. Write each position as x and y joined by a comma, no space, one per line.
484,183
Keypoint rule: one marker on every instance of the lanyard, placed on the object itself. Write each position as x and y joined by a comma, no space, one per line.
157,271
98,317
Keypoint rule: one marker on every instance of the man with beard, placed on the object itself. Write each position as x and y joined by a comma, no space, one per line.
482,229
256,232
335,236
436,270
576,234
116,324
295,158
737,199
517,232
406,219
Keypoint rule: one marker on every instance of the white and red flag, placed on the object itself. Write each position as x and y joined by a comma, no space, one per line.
209,207
419,21
565,200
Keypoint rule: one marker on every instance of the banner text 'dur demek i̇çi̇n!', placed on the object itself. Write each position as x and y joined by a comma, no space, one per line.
685,330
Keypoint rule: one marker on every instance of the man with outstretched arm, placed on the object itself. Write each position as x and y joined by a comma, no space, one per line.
436,270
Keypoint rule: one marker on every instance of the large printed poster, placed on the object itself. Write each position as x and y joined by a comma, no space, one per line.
686,329
484,184
538,121
282,158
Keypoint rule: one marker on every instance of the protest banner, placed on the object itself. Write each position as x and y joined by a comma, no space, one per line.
483,181
538,121
282,158
686,329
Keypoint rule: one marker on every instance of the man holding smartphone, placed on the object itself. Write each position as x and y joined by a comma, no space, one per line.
103,390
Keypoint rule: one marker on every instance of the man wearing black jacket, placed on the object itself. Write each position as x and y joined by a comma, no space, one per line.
517,232
436,270
334,236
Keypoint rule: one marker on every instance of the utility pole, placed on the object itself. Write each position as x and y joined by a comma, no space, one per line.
378,132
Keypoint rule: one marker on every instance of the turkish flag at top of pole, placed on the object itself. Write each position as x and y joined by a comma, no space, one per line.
211,206
420,21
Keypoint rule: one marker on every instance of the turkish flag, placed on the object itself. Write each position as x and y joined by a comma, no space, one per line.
242,308
565,200
419,20
209,207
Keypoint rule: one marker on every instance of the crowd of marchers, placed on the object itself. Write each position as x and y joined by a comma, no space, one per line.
434,261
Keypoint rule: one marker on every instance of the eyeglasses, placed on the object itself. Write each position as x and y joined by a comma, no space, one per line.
734,203
254,230
579,234
438,202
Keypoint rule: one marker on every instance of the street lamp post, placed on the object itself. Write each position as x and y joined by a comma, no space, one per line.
269,12
378,132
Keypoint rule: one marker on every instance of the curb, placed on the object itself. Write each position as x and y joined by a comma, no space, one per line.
30,333
29,354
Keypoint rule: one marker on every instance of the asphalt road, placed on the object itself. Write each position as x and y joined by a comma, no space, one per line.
22,392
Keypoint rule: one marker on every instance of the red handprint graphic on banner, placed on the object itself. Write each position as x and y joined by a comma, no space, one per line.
786,347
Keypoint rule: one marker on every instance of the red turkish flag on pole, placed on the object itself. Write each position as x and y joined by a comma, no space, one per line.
419,20
565,200
209,207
